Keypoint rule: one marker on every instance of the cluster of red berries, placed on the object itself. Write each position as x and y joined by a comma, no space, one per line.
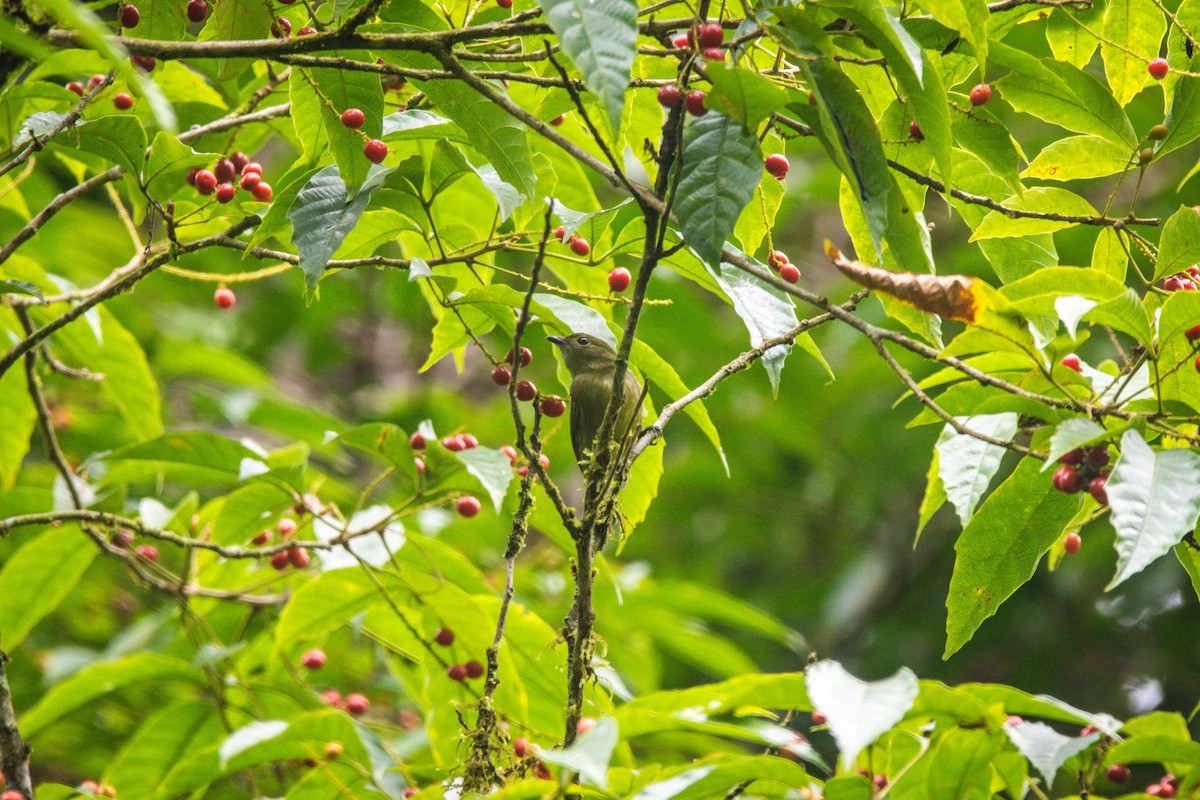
670,95
514,456
375,150
97,790
228,175
466,506
778,261
122,539
294,556
1187,281
458,672
1166,787
879,781
122,101
1084,467
708,38
353,704
579,245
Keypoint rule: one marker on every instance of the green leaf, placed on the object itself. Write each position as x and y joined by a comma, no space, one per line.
717,776
327,603
1046,748
589,755
338,90
165,739
1069,40
38,576
1179,246
19,287
386,440
969,18
966,464
1042,200
1155,500
721,167
1076,157
237,22
1001,547
663,376
1138,26
197,449
416,123
1154,750
959,765
1183,112
933,499
324,213
1179,381
99,679
743,94
19,415
780,690
162,19
1189,557
248,736
1108,256
119,138
600,38
491,468
859,712
170,158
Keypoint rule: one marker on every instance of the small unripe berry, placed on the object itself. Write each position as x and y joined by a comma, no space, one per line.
694,102
224,298
526,357
1067,479
357,704
419,464
579,246
474,669
789,273
334,750
416,441
1197,365
1146,156
1158,68
206,182
501,375
130,16
553,406
123,101
353,118
250,180
526,391
520,747
467,506
454,444
444,637
148,552
262,192
89,786
980,94
1071,543
225,192
239,161
619,279
286,527
412,791
76,87
1157,133
880,782
375,151
197,10
224,170
457,672
1117,773
669,96
313,659
915,132
1073,362
777,166
298,557
776,259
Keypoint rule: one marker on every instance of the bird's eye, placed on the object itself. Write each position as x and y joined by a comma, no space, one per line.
583,340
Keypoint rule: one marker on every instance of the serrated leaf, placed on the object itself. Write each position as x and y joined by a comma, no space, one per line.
491,468
1155,500
858,712
324,213
721,167
589,755
1139,26
38,576
1046,748
1179,246
600,37
743,94
1000,548
966,464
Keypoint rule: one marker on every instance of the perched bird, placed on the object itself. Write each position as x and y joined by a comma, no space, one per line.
590,361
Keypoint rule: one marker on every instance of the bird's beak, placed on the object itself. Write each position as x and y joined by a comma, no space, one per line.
558,340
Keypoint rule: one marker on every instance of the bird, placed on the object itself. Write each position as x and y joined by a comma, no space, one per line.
590,361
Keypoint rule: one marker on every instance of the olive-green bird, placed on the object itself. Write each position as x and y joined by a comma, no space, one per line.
590,362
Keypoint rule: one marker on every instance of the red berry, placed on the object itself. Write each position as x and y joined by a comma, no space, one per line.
520,747
90,786
543,772
1198,364
1013,720
1098,456
286,527
225,171
1068,480
818,718
980,94
420,465
777,166
197,10
353,118
1071,543
225,192
474,669
1173,284
261,538
694,103
76,87
681,40
331,697
416,441
454,444
191,176
148,552
457,672
122,539
13,794
544,460
313,659
298,557
504,3
669,96
130,16
713,54
467,506
444,637
776,259
914,130
123,101
560,232
224,298
559,120
585,724
1193,270
239,160
375,151
144,63
619,279
1071,457
1072,361
280,560
306,31
250,180
468,441
511,452
579,246
710,35
1117,773
95,81
501,375
1088,730
206,182
526,357
789,273
262,192
1158,68
252,166
410,791
880,782
526,391
281,28
357,704
1193,334
553,406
